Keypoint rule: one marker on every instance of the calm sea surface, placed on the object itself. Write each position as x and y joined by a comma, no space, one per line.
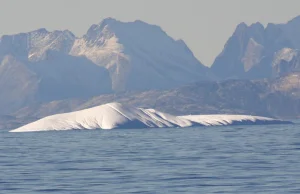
244,159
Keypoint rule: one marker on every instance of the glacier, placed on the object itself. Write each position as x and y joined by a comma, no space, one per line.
118,116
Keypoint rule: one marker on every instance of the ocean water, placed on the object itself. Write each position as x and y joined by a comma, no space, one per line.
239,159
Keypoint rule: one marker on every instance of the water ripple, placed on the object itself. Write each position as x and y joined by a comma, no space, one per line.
247,159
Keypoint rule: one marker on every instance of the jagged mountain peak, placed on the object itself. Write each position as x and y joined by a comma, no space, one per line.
241,53
243,28
243,25
39,42
66,33
43,32
257,27
113,21
130,49
33,45
40,31
250,51
120,28
257,24
108,21
138,55
128,33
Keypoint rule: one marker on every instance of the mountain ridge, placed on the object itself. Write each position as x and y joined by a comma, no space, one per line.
127,49
138,55
135,55
58,71
249,52
258,97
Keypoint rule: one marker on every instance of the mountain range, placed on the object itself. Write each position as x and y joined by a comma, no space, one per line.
256,52
272,98
113,56
43,73
139,56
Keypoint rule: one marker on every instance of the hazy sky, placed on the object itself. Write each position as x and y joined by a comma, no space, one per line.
205,25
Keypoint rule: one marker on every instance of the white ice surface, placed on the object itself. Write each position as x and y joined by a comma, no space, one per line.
115,115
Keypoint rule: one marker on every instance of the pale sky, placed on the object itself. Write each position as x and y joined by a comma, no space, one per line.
205,25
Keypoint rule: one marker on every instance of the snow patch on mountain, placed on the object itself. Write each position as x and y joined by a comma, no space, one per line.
33,45
286,54
285,61
40,41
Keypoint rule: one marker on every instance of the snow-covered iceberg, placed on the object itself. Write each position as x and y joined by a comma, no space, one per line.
118,116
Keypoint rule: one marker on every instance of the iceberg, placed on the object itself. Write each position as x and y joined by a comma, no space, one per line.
118,116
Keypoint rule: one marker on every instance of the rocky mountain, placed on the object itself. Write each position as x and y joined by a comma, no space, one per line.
32,46
273,98
253,52
35,67
135,63
42,66
139,56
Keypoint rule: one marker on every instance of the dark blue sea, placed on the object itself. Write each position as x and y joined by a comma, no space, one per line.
240,159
